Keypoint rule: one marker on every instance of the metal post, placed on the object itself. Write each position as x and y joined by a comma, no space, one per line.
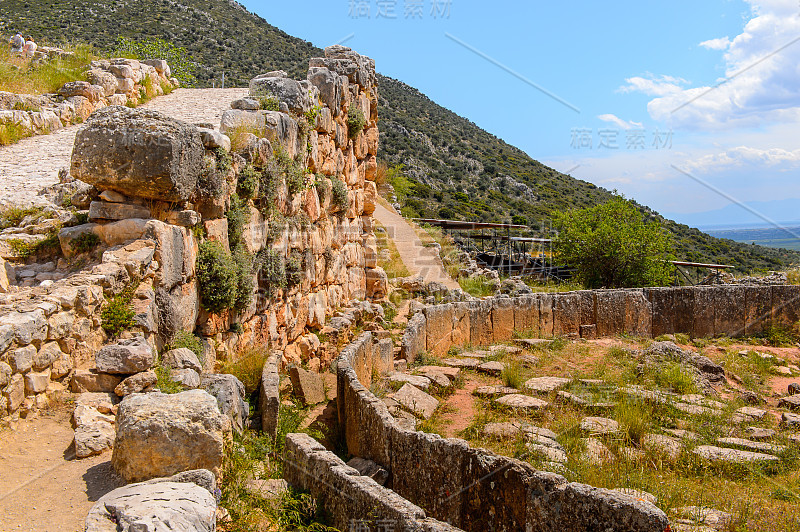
223,80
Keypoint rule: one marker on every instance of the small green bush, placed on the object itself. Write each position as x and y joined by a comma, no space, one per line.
238,216
339,191
117,315
164,380
249,179
85,242
224,160
271,268
190,342
50,245
244,278
323,187
294,269
355,121
217,276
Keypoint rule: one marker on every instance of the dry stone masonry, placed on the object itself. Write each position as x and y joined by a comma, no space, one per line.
271,205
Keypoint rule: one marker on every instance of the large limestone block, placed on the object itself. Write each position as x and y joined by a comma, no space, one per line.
152,506
160,435
480,323
503,319
307,386
546,302
439,328
661,305
139,153
610,312
128,356
638,313
377,283
729,302
526,314
567,314
703,323
269,396
758,306
786,305
230,395
182,358
414,338
286,90
332,88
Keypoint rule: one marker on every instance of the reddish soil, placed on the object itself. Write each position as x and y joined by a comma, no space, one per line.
461,407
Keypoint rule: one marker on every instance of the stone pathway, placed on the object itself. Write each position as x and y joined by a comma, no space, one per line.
418,259
33,163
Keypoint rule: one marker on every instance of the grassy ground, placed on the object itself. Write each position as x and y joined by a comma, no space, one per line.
760,498
22,76
393,266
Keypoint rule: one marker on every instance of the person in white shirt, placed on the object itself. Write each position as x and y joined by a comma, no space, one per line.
17,42
30,47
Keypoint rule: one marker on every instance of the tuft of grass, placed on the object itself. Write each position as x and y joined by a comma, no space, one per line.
189,341
394,265
85,242
634,418
11,133
165,382
48,246
512,375
478,286
247,367
673,377
13,216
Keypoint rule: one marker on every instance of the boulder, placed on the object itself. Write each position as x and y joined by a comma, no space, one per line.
186,377
152,506
245,104
285,90
181,358
368,468
726,455
307,386
136,383
139,153
104,210
214,139
160,435
84,380
599,425
521,402
230,395
269,396
128,356
545,384
416,401
94,430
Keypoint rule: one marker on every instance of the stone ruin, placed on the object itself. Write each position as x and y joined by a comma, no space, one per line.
109,82
288,180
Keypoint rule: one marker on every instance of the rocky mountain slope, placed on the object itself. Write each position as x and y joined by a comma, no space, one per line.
457,169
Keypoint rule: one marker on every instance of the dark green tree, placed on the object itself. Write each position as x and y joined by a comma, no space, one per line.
613,245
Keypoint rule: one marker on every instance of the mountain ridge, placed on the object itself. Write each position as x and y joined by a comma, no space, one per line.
457,169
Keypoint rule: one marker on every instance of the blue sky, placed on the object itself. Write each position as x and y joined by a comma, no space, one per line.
567,82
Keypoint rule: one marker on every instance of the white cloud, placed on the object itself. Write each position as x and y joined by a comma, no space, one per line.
774,158
654,85
716,44
622,124
760,82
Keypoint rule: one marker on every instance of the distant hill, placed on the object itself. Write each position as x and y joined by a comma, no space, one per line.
459,170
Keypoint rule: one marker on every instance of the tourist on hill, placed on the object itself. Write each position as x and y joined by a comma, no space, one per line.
17,42
30,47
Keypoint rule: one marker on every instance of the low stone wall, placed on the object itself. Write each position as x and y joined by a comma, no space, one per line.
269,396
472,489
108,82
352,501
651,312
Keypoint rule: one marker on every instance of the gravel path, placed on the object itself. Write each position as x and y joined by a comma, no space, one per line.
418,259
33,163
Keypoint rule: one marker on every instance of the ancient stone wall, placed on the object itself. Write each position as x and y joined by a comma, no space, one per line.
650,312
277,212
109,82
472,489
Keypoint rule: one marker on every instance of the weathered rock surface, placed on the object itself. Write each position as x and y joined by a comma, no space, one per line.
153,506
181,358
423,383
269,396
307,386
168,154
492,368
545,384
491,391
522,402
752,445
368,468
416,401
724,454
94,431
136,383
599,425
125,357
160,435
84,380
230,395
792,402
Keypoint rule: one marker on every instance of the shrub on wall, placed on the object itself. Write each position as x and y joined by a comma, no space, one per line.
355,121
248,182
238,216
271,268
189,341
339,191
294,269
244,278
117,315
217,277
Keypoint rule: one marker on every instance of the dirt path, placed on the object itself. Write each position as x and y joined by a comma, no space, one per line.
43,488
33,163
418,259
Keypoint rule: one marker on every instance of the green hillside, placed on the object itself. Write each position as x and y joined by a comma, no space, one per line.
458,170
